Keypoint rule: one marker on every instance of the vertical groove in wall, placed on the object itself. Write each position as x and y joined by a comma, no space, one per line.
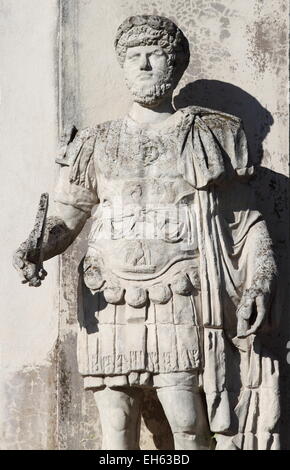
58,72
68,64
67,111
76,412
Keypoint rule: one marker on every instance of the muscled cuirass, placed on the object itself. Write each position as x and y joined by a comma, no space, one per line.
143,236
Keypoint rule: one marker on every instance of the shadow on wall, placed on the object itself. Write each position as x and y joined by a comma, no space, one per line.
231,99
271,187
272,191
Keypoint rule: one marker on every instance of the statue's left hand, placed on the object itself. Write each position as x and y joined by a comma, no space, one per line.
251,314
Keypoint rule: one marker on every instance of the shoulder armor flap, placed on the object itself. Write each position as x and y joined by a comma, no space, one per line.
209,115
72,141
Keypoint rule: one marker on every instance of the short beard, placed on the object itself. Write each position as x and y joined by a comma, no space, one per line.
150,96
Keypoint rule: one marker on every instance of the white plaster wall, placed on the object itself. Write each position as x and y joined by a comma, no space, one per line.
242,44
28,136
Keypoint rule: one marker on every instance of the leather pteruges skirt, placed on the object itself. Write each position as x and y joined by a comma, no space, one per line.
151,328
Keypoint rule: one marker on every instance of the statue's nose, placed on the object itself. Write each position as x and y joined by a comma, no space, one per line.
145,62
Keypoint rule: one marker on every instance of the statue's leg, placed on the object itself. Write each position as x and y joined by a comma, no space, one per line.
186,415
120,411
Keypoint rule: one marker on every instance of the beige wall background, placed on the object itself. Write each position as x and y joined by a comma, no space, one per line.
28,135
60,69
243,43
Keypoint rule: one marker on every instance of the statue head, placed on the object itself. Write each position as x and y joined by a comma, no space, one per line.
154,54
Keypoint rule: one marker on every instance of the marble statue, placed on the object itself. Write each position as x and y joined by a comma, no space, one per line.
179,274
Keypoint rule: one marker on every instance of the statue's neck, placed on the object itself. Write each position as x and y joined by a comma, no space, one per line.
147,115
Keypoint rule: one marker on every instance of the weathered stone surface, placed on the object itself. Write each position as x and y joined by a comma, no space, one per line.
225,75
172,194
225,35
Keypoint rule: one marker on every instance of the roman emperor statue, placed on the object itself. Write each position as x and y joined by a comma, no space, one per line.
179,272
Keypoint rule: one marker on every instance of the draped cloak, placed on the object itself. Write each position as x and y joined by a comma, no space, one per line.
240,378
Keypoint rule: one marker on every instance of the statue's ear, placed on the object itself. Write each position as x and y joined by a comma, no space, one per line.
66,138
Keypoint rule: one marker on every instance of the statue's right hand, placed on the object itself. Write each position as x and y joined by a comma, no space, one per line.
29,272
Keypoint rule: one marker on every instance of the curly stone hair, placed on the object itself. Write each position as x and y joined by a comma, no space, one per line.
147,30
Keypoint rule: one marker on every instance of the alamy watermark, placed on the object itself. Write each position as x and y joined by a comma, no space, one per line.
172,223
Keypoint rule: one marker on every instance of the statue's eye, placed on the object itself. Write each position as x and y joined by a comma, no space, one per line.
158,52
134,56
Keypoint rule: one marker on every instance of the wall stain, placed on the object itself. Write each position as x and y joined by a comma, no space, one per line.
30,422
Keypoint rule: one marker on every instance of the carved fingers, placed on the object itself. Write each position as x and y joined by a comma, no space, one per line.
242,327
251,315
33,275
30,273
261,306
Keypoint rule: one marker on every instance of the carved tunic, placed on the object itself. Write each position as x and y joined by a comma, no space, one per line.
176,247
140,310
142,259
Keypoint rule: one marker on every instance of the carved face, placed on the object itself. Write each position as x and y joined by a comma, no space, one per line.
148,74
